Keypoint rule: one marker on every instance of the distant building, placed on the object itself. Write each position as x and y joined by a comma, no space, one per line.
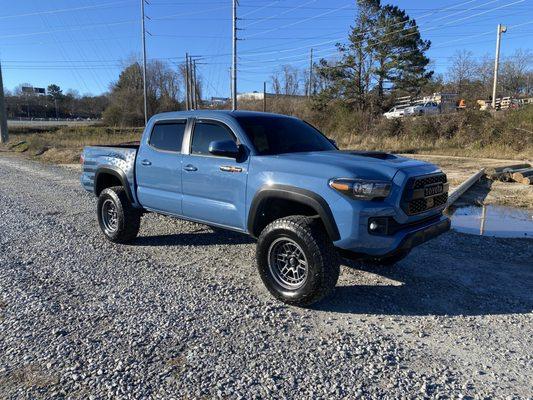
33,90
258,96
215,101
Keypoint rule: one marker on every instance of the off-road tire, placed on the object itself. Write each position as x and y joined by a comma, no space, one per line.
322,259
128,218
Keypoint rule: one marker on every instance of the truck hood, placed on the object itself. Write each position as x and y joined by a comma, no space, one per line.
363,164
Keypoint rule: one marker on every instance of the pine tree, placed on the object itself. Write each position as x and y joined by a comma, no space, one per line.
384,52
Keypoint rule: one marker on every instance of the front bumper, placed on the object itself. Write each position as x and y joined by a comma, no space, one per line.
402,241
421,235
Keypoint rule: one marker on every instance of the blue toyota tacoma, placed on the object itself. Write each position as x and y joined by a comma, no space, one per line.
277,179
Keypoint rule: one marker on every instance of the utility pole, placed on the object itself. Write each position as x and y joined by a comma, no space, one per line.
234,57
310,73
193,84
501,29
187,88
264,96
145,92
196,96
4,134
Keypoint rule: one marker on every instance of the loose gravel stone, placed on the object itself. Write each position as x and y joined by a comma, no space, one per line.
181,312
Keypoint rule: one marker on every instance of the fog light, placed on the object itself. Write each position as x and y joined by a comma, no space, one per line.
378,226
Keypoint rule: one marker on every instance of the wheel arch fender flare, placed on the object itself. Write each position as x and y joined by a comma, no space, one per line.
117,173
303,196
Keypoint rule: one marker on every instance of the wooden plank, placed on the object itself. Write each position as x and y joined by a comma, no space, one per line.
504,173
496,170
463,187
507,176
520,175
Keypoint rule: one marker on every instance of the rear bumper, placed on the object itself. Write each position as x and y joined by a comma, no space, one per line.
406,239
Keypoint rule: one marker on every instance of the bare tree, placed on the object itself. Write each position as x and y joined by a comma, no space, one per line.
290,80
514,72
286,80
463,70
276,82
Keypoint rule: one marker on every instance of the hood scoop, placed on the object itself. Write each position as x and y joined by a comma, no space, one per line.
373,154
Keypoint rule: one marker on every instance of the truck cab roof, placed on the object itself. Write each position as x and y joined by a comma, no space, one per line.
214,114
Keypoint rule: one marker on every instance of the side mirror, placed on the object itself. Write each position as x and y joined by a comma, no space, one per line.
224,148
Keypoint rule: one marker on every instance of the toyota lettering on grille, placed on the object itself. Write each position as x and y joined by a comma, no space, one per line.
433,190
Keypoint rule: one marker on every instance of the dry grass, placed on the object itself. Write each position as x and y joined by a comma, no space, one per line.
472,133
505,134
64,145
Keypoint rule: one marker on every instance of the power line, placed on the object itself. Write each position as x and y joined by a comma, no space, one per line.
300,21
381,41
69,28
283,13
364,32
260,8
178,15
63,10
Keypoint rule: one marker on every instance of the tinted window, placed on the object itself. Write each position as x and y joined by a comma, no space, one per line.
168,136
276,135
205,133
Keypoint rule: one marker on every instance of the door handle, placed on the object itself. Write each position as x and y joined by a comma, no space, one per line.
230,168
190,168
146,162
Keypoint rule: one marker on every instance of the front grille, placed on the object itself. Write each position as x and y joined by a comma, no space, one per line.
413,206
429,180
420,205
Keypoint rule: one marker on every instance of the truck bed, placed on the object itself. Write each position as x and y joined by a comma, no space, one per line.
126,145
117,159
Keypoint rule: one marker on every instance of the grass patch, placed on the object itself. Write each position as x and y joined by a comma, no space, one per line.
505,134
64,144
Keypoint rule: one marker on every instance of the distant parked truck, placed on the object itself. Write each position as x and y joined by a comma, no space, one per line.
428,108
277,179
395,112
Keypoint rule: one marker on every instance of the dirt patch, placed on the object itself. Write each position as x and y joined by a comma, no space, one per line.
60,156
29,376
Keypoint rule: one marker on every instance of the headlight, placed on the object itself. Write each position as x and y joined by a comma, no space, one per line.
361,189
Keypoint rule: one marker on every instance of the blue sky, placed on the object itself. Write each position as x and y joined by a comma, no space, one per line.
83,44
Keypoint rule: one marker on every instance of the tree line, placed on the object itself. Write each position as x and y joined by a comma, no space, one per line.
24,102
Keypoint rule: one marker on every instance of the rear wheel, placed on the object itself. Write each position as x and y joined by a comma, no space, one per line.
297,261
118,219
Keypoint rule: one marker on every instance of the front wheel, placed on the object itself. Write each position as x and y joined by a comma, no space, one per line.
297,261
118,219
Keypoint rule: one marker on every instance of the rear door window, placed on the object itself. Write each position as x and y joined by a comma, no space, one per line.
168,136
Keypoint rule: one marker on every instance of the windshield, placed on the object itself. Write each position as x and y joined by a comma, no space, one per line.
276,135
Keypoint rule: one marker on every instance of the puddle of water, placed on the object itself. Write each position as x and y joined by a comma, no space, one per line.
493,221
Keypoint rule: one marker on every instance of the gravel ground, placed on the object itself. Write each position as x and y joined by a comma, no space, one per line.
181,313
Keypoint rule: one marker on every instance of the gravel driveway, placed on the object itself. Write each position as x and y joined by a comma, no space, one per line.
181,313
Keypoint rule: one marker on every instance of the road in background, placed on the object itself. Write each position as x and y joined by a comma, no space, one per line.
181,312
48,124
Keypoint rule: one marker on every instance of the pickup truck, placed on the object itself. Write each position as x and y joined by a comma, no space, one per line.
277,179
395,112
428,108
